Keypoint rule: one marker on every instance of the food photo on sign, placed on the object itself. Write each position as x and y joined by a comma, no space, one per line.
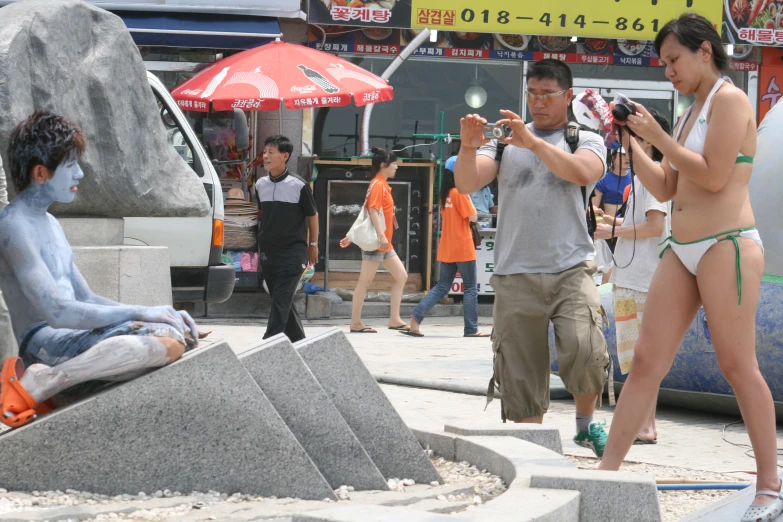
382,13
755,21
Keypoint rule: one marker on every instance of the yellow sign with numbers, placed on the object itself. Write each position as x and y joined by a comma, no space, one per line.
623,19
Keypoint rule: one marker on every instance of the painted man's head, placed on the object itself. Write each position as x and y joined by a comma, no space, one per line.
43,154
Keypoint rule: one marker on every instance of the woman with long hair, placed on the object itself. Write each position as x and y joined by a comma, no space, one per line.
379,201
714,255
455,252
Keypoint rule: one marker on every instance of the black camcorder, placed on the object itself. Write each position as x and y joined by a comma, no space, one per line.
623,107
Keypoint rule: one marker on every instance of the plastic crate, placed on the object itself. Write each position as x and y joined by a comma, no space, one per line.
248,279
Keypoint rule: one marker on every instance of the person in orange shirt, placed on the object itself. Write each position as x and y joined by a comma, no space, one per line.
455,252
379,200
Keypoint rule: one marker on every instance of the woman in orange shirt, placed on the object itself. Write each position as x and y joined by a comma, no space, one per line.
455,252
379,199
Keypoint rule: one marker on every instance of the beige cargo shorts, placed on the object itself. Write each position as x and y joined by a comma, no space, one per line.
524,306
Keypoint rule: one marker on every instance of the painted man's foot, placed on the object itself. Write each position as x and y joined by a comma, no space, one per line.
594,438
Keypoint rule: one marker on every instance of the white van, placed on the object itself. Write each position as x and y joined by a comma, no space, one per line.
195,244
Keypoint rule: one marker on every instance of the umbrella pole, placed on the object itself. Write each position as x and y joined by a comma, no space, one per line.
280,115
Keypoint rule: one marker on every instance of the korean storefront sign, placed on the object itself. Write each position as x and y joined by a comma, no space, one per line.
625,19
499,46
770,81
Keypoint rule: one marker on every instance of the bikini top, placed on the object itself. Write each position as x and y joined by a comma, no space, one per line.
698,133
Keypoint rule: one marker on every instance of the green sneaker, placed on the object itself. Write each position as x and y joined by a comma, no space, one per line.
594,438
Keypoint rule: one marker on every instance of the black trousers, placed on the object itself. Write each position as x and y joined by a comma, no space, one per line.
282,281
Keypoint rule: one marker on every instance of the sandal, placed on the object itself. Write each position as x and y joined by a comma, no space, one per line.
366,329
412,333
17,408
400,328
639,440
477,334
765,511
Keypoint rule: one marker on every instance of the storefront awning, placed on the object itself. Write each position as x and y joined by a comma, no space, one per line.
199,30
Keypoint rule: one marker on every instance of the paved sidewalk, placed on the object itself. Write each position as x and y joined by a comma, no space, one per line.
687,439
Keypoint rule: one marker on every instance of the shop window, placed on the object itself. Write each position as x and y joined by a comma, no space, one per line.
422,89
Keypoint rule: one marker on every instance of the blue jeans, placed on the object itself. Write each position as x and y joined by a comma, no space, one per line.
470,303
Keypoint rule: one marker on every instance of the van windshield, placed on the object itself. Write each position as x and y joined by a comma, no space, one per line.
174,134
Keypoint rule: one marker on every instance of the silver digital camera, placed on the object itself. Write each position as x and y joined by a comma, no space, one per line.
493,131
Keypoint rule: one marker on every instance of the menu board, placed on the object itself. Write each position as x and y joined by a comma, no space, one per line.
497,46
753,22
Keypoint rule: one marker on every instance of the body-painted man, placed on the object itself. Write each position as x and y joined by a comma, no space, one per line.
67,335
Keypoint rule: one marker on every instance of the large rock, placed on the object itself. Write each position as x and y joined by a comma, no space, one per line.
80,61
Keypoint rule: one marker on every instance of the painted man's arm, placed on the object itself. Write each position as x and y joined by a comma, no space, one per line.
59,310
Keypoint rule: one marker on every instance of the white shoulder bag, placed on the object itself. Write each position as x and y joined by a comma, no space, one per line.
362,232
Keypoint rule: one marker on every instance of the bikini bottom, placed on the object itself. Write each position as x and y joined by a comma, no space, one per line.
691,253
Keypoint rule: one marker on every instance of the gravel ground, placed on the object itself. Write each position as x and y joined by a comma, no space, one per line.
457,476
677,504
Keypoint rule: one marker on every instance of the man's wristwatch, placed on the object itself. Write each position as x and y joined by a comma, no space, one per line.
315,244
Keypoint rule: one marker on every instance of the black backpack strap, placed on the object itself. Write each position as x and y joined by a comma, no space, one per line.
572,138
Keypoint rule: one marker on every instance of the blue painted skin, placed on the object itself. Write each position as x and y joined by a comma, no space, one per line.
695,367
39,279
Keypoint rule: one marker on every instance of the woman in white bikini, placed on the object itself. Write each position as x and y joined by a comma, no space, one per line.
714,256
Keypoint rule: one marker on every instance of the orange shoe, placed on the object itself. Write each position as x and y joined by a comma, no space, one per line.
17,407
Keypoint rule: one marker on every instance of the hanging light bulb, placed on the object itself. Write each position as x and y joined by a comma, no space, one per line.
476,95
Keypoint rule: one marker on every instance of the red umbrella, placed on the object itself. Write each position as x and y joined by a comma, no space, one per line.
263,77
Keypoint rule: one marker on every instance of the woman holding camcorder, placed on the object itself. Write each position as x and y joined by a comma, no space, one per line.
714,256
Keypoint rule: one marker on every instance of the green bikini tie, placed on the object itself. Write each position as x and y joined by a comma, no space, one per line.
737,260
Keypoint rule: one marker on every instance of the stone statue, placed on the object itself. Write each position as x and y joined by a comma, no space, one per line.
67,335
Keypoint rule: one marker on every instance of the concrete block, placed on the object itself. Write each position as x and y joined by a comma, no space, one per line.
605,495
93,231
127,274
369,513
543,436
503,456
145,276
442,444
318,307
199,424
365,407
305,407
521,503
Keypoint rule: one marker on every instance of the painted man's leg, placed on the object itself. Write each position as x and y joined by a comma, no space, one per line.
125,355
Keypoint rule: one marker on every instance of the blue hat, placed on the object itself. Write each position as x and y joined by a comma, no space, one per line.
450,163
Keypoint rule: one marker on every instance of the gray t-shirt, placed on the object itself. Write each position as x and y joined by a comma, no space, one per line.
542,227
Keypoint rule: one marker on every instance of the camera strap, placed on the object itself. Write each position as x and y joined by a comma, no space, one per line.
572,139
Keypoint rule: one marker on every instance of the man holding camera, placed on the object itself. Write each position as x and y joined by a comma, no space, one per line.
544,256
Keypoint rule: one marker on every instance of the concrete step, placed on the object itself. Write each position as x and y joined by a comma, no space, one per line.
305,407
365,407
174,428
258,305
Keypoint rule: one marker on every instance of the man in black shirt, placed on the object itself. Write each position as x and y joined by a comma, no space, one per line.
288,215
